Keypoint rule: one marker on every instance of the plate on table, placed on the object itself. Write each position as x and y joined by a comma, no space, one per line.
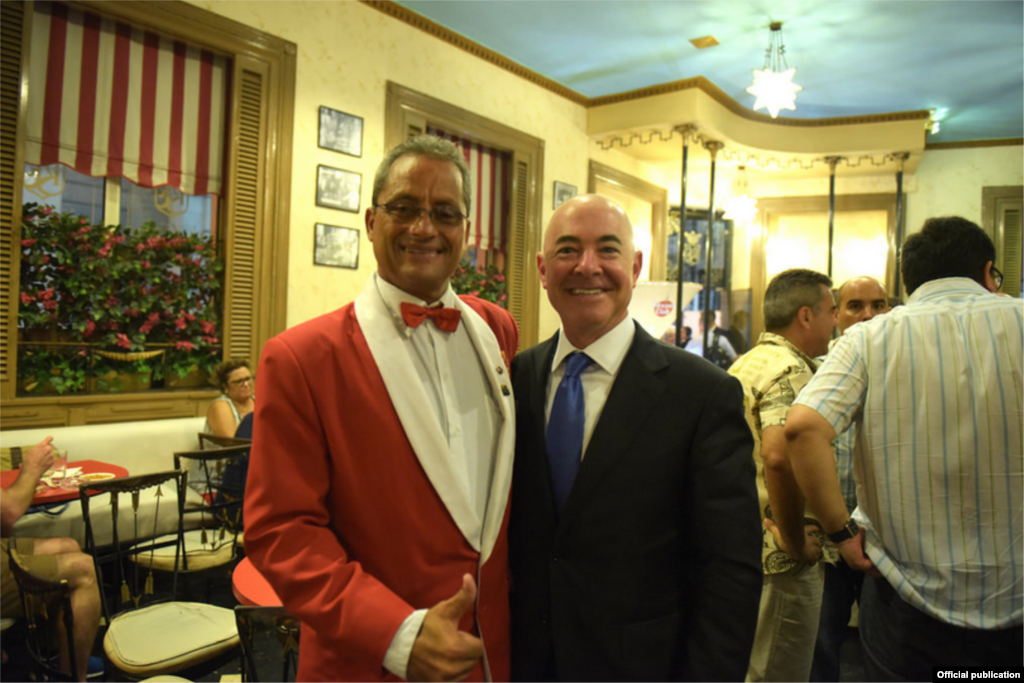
96,476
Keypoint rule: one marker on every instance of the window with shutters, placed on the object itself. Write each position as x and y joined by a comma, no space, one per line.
206,202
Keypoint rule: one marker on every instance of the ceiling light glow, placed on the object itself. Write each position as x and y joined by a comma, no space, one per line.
773,86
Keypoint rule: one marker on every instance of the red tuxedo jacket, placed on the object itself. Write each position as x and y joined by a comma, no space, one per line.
341,515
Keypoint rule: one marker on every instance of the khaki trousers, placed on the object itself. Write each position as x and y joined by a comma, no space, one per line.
787,625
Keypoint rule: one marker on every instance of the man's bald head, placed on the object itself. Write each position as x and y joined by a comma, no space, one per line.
858,299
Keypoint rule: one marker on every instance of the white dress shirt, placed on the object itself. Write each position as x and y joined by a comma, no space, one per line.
461,399
936,388
608,352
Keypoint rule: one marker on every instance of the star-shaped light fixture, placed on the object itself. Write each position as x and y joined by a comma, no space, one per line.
773,86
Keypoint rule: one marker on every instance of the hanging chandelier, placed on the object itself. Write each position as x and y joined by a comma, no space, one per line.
740,207
773,86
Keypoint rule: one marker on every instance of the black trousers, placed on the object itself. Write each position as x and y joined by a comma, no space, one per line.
902,643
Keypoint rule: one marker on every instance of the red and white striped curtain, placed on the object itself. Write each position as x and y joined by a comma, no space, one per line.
490,170
108,99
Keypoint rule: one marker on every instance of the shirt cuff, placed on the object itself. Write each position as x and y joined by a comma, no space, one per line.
396,659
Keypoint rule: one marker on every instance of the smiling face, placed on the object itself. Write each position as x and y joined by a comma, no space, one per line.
420,256
589,267
860,299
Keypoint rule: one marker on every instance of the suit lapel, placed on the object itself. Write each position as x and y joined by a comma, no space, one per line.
412,405
638,388
500,386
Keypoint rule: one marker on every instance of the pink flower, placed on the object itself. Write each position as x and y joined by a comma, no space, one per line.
46,294
475,292
145,327
502,297
28,242
180,323
90,327
187,346
50,305
208,327
200,247
45,259
153,318
146,264
83,221
499,278
46,210
123,341
139,248
27,298
210,340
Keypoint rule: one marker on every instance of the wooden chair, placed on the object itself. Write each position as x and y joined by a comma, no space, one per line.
265,629
148,634
50,622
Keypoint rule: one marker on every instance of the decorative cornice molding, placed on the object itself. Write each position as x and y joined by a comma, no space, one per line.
407,16
1004,142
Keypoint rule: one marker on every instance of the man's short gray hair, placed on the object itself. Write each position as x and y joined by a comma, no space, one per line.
429,146
788,292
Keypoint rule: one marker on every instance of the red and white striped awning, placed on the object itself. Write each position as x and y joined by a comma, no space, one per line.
108,99
490,171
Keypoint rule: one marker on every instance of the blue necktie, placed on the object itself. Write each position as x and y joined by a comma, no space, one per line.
565,429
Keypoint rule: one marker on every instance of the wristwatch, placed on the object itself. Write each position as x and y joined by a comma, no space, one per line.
849,530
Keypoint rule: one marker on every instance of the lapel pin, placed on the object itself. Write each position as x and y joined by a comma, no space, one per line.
505,391
501,370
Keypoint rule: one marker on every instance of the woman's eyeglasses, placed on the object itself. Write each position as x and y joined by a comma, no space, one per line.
240,382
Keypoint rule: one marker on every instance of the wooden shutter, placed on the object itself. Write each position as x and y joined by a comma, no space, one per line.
12,17
1010,251
240,280
519,268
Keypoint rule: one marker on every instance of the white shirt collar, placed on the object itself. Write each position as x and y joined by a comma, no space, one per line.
608,351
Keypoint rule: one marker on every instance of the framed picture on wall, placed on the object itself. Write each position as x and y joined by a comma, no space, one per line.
338,189
563,193
341,132
336,246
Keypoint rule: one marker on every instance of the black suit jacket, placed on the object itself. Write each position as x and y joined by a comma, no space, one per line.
653,571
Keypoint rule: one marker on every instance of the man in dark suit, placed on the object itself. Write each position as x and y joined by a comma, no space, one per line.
637,557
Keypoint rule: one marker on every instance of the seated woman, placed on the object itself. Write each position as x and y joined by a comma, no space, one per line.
223,416
236,400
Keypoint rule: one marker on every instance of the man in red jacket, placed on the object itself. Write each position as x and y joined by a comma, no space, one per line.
377,498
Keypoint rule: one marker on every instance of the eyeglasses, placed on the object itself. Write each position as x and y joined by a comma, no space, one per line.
404,212
240,382
997,277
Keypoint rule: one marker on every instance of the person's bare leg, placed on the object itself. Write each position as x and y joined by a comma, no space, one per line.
80,572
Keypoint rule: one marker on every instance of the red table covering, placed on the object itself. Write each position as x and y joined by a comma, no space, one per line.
251,588
57,495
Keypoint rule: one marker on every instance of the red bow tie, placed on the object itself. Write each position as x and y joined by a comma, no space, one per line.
446,319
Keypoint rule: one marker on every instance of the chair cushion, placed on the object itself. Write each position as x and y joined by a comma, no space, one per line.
169,637
214,553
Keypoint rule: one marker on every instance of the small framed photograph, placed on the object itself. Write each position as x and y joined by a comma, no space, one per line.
563,193
338,189
336,246
341,132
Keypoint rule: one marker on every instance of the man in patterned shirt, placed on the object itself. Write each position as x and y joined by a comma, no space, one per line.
934,388
799,314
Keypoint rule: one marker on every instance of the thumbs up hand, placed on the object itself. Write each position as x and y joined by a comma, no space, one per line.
442,652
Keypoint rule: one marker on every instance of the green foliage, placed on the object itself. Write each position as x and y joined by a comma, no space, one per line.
119,289
487,283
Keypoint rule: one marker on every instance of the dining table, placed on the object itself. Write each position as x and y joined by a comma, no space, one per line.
47,493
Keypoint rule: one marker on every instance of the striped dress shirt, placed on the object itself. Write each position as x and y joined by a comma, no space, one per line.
938,390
